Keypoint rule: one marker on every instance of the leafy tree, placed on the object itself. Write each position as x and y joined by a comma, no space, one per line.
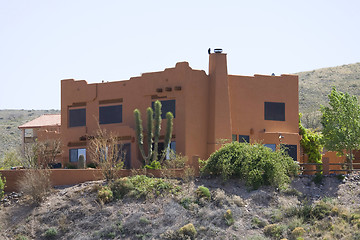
311,142
341,123
10,159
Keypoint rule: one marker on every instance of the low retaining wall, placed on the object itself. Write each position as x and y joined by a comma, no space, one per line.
60,177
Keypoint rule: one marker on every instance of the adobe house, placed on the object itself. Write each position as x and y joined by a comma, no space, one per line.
42,128
207,108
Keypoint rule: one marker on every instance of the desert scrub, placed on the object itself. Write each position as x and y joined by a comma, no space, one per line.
105,195
2,186
203,192
187,231
36,183
21,237
255,163
257,223
297,232
51,233
120,187
229,219
274,231
146,187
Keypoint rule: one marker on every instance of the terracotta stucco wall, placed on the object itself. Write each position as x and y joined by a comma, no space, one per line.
208,107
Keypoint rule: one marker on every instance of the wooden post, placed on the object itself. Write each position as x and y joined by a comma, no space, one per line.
326,165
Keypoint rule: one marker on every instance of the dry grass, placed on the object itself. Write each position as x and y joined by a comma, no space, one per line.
35,183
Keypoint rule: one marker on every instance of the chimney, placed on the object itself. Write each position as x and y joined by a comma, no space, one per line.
219,101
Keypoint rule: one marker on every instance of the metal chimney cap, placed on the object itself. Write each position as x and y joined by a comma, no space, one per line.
218,50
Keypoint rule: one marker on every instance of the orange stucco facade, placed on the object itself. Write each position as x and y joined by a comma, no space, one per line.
208,108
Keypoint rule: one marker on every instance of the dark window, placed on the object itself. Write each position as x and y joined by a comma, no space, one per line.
77,117
110,114
74,154
291,150
274,111
166,106
244,138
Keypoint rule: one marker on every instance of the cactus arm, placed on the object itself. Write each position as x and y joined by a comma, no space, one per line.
168,134
150,126
139,134
157,122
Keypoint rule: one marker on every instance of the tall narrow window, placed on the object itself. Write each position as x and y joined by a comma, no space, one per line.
274,111
110,114
166,106
77,117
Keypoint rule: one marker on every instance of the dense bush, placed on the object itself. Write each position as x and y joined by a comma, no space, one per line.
255,163
2,186
120,187
139,186
105,195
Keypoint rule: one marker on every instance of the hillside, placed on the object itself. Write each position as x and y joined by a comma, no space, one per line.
328,210
10,135
315,86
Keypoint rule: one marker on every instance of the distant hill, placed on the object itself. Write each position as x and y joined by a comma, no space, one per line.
10,135
315,86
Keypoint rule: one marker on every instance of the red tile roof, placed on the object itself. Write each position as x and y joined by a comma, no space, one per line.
46,120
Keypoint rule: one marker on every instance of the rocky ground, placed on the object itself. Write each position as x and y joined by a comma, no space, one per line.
74,212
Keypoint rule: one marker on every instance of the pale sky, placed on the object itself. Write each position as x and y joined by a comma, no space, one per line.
44,41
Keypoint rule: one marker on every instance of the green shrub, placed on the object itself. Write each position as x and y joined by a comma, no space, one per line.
257,223
120,187
81,163
187,231
21,237
318,178
229,217
70,166
51,233
255,163
274,231
203,192
2,186
298,232
146,187
185,202
154,165
91,165
105,195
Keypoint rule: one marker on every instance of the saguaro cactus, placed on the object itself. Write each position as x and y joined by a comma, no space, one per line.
152,154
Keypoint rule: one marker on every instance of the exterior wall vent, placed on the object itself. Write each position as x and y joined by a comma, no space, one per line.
177,88
159,90
168,89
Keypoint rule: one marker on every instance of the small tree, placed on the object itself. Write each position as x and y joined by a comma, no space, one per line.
311,142
106,150
10,159
341,123
48,151
153,138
